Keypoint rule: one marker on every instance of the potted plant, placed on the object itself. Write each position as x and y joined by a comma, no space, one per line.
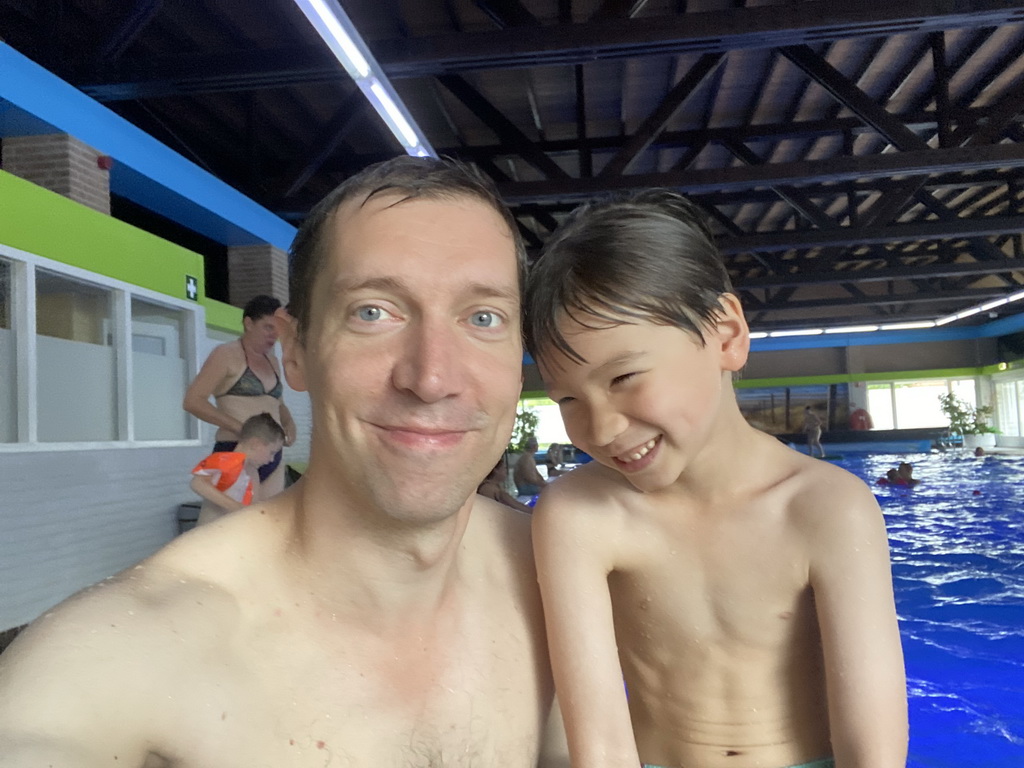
971,423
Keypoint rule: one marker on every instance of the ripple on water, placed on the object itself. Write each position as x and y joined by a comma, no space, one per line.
957,544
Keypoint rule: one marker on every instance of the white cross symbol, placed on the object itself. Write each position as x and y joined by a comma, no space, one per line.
191,287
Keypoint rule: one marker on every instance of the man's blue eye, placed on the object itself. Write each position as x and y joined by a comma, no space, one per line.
370,314
485,319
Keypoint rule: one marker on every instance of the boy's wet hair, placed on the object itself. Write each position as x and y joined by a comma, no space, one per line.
262,427
648,256
406,177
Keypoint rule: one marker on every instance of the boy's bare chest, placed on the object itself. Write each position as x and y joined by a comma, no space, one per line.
740,577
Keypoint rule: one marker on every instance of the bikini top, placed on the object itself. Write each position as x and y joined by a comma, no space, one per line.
249,385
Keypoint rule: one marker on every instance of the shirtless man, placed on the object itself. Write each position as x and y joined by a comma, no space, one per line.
244,379
378,613
742,589
529,480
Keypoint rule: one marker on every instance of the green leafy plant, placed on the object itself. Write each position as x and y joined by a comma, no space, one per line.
526,425
963,418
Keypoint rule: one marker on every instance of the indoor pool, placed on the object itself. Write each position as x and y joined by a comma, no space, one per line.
958,567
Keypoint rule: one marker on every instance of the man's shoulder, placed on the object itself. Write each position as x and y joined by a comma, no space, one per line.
135,609
493,524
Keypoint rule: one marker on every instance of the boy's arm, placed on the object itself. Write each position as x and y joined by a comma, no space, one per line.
203,485
572,551
865,678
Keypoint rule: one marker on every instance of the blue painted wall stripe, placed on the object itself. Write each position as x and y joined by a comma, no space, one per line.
145,171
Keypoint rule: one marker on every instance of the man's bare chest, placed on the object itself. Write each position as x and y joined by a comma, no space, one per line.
297,701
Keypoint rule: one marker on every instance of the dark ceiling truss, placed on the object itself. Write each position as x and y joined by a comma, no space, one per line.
547,45
860,160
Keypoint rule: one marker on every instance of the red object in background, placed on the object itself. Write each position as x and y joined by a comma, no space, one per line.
861,420
104,162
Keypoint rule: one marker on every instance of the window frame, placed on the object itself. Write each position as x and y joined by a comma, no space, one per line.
23,325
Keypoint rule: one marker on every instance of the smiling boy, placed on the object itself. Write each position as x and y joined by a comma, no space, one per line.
742,589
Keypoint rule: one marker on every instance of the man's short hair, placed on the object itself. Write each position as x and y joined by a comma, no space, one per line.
260,306
644,256
407,177
261,427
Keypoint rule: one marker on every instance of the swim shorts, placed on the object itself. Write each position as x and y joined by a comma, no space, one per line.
827,762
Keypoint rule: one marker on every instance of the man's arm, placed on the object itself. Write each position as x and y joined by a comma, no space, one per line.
197,396
70,697
571,545
852,582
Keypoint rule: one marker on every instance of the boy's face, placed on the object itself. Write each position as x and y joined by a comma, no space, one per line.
263,453
647,400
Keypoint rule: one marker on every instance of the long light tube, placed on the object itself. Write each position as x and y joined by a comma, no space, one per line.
337,30
936,323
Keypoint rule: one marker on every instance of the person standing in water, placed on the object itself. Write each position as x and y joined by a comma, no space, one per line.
812,429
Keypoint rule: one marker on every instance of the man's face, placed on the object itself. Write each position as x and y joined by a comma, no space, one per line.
413,357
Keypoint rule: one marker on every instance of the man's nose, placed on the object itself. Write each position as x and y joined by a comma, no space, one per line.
430,362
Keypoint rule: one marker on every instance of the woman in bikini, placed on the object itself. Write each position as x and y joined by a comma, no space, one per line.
244,379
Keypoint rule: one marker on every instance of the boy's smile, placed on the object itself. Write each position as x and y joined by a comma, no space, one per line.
646,401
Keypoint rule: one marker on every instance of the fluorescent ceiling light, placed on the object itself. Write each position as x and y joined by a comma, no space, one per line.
397,120
909,326
798,332
993,304
334,26
337,38
1015,296
853,329
946,320
758,335
967,313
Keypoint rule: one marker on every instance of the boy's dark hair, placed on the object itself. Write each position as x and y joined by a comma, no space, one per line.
260,306
262,427
407,177
645,256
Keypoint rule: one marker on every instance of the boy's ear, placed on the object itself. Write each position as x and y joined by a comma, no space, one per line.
731,333
293,354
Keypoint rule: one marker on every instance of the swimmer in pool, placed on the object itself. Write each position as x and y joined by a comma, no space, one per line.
741,588
376,613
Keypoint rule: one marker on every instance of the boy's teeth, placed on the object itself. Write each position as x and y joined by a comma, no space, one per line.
643,451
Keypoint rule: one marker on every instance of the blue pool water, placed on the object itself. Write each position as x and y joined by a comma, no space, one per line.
957,544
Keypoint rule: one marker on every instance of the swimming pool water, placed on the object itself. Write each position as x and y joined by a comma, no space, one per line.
957,542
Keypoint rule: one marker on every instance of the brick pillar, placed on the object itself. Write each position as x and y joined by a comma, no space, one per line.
256,269
62,164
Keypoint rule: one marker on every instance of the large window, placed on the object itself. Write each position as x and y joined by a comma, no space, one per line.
86,360
8,360
76,373
159,371
1010,410
914,404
